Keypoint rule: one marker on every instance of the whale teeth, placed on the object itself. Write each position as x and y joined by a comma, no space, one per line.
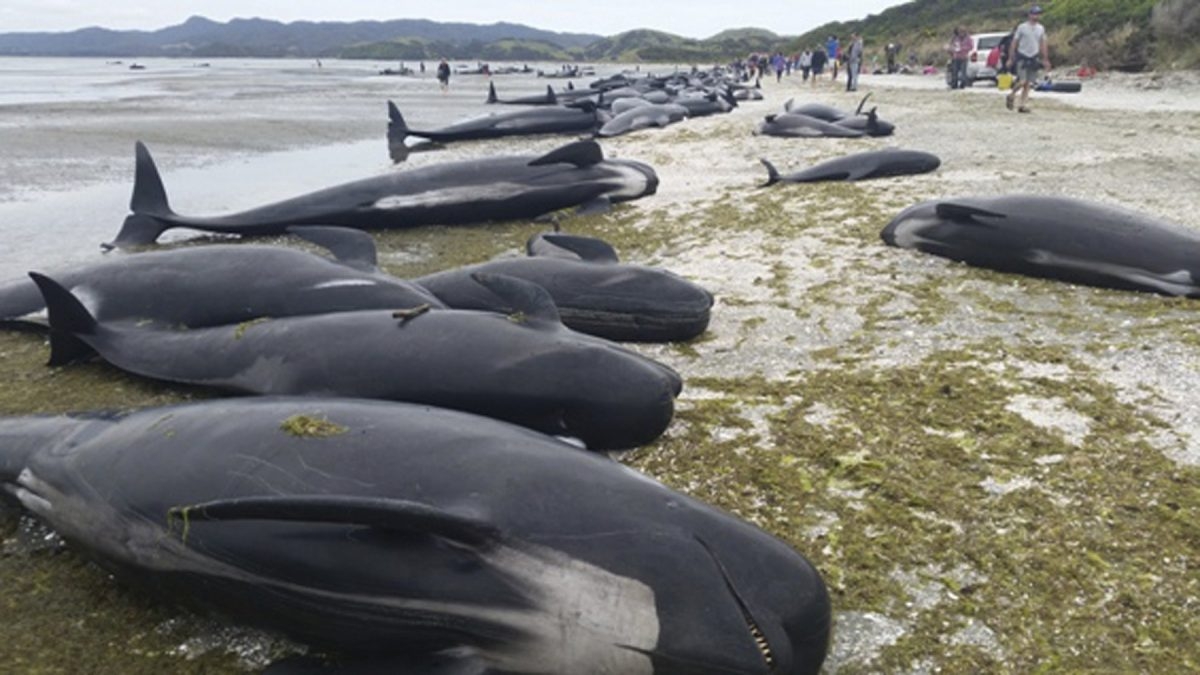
764,647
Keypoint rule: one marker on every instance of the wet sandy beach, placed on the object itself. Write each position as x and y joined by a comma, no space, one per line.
993,473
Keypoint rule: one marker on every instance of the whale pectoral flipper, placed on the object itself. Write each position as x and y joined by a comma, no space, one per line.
587,248
377,512
595,206
68,318
580,153
963,213
353,248
451,663
529,301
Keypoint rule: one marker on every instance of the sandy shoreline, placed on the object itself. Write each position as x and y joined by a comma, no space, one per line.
993,473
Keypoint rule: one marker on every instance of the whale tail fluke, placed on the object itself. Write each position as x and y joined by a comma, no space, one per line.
137,230
149,195
397,127
772,173
492,98
148,203
68,319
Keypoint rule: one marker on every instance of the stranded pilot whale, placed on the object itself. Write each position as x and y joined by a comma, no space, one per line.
859,166
554,119
1055,237
202,286
525,367
452,193
403,538
594,292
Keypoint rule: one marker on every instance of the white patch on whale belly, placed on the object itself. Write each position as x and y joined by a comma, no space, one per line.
581,615
341,283
907,234
1179,282
633,182
451,195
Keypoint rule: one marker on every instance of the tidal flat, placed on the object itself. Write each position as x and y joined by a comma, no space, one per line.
993,473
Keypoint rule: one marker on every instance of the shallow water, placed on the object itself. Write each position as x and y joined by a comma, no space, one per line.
279,129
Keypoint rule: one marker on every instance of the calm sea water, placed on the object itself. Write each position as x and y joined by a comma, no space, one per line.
228,134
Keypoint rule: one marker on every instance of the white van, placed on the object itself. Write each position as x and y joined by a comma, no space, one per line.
977,68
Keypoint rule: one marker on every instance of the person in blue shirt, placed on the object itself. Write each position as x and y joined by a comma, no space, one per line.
833,51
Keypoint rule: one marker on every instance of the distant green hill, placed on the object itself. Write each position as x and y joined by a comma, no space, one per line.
198,36
651,45
1126,34
412,49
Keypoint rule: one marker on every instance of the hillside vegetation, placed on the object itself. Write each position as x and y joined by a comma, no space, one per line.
650,45
1122,34
414,49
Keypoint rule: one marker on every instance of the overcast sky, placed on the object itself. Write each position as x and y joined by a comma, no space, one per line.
691,18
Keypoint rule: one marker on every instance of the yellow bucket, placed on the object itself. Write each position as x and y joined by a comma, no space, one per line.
1004,81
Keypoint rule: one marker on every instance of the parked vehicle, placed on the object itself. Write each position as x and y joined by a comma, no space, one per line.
977,68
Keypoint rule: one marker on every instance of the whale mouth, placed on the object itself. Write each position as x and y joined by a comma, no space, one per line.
764,647
27,491
752,625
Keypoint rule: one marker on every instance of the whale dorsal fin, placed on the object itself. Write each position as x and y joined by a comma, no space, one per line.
527,302
68,318
582,154
587,248
963,213
379,512
353,248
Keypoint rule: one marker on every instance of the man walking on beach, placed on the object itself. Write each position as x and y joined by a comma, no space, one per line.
1029,51
854,62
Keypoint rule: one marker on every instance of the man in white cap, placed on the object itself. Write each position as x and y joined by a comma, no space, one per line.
1029,50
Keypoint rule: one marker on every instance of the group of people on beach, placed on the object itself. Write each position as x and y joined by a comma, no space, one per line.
811,63
1023,53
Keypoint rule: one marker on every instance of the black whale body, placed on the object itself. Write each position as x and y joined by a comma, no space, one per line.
452,193
859,166
551,119
401,531
213,285
526,368
594,293
1055,237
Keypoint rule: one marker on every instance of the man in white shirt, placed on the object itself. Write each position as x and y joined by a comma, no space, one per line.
1029,52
